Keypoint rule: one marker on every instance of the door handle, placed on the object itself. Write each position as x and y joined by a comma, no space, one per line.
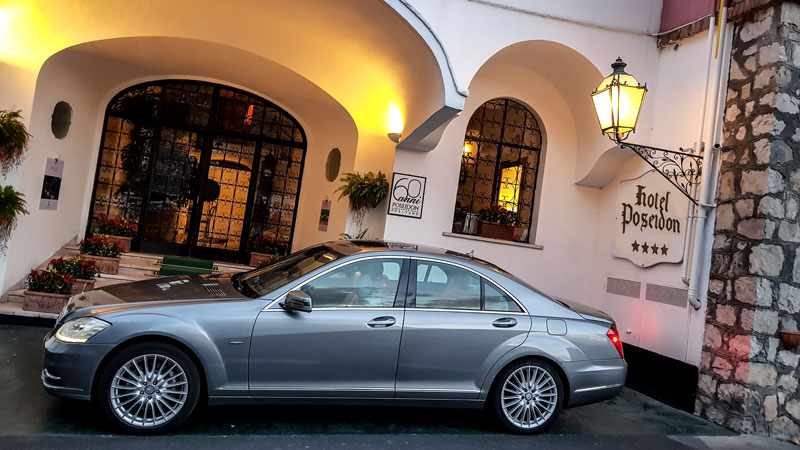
381,322
505,322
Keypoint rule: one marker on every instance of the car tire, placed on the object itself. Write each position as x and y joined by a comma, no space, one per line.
516,402
168,385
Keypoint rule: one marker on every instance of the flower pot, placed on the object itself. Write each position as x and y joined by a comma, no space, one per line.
79,285
790,339
104,264
257,258
496,230
124,242
44,302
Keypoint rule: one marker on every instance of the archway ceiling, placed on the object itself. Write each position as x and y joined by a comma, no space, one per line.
369,55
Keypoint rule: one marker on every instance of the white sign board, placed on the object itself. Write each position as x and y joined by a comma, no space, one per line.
51,185
406,195
650,222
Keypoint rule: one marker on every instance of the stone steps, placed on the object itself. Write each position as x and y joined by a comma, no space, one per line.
15,309
133,267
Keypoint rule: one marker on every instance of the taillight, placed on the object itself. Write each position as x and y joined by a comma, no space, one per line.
613,335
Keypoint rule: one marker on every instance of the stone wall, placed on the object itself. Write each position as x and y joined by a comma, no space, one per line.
748,380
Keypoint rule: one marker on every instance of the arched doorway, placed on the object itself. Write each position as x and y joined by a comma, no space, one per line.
202,167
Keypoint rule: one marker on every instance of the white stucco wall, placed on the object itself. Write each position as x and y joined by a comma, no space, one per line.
576,224
65,77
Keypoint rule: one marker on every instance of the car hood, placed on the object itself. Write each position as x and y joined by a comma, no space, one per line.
587,312
156,292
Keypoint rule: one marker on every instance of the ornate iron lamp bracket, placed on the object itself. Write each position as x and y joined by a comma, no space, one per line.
681,169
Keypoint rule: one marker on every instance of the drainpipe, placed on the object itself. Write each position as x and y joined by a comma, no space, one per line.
687,243
708,182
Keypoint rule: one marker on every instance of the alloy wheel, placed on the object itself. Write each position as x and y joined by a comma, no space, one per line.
148,390
529,397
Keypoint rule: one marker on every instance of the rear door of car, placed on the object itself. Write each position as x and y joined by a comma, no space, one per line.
457,325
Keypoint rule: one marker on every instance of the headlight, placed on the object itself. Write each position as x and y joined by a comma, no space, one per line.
81,329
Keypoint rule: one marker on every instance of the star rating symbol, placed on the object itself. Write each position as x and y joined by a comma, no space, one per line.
648,249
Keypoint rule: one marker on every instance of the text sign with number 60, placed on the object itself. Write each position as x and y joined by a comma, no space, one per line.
407,195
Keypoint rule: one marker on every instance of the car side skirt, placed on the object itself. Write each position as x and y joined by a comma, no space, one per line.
343,401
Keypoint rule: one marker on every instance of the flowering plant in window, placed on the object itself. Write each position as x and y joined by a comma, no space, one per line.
268,245
496,213
100,246
76,267
49,281
117,226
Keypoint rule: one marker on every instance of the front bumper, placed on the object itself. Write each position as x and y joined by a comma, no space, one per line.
69,369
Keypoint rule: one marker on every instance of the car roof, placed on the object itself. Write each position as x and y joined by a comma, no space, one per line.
352,247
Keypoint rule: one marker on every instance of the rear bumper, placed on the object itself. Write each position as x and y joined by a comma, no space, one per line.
595,381
69,369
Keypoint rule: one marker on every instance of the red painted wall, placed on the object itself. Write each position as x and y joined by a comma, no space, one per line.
676,13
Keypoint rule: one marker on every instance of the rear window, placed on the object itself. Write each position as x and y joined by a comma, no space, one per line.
446,286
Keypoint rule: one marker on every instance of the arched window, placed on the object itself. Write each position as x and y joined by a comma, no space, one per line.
204,169
499,169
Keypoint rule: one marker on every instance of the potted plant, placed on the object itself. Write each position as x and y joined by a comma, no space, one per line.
363,191
14,139
103,251
81,270
46,291
265,250
12,206
790,339
496,222
121,229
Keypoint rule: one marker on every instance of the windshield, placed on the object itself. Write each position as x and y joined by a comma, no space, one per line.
258,282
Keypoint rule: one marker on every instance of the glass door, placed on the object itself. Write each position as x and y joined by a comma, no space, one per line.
172,192
224,194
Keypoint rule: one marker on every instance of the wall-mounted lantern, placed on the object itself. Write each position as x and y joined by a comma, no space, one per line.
395,124
617,102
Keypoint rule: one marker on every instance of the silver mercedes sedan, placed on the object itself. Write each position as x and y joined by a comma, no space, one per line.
342,322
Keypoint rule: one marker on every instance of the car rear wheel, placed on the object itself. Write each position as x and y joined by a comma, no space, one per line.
527,396
149,388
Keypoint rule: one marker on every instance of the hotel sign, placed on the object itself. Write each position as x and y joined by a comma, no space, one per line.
650,221
406,195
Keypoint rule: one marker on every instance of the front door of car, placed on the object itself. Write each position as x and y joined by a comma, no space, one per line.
457,325
347,346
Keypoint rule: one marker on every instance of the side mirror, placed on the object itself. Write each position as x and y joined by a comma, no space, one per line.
297,301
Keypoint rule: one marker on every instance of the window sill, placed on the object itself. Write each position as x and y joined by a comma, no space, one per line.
493,241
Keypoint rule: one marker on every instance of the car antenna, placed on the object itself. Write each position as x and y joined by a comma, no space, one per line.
471,254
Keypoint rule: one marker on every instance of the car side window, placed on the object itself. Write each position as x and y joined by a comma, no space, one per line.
370,283
444,286
496,300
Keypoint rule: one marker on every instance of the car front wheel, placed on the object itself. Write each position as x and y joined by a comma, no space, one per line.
149,388
527,397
